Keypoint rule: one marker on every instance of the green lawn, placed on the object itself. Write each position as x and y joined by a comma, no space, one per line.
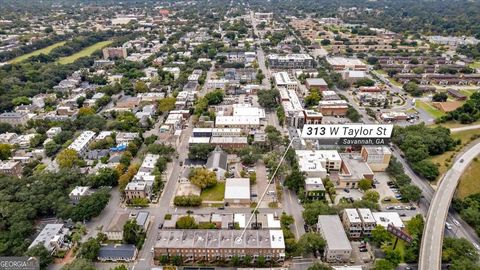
215,193
45,50
475,64
434,112
469,182
468,92
85,52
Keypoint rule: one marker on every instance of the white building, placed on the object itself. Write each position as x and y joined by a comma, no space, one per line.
80,144
237,191
243,121
214,84
78,193
318,163
51,237
53,131
385,218
284,80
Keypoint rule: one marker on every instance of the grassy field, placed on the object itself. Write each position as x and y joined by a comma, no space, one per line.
468,92
45,50
85,52
475,64
469,182
215,193
444,160
434,112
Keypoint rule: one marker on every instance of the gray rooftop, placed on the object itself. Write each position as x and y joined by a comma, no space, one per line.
217,159
332,230
219,239
117,251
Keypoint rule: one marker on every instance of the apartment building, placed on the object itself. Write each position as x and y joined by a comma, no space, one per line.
14,118
316,84
352,223
312,117
368,221
284,80
78,193
377,157
244,122
10,167
342,63
318,163
138,189
218,245
338,248
113,53
333,107
293,108
290,61
314,188
52,237
80,144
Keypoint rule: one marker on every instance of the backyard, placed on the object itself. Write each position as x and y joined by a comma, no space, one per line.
45,50
85,52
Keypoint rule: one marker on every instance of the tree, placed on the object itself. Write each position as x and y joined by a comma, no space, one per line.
79,264
5,151
261,261
365,184
312,98
325,42
51,148
440,97
104,177
320,266
67,158
427,169
23,100
202,178
393,256
380,235
186,222
383,265
295,180
89,250
214,97
412,88
42,254
188,200
133,233
166,104
314,209
268,99
365,82
371,195
311,243
458,249
411,193
253,178
200,151
120,267
140,87
177,260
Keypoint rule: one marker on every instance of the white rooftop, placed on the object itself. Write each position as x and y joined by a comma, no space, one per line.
385,218
237,188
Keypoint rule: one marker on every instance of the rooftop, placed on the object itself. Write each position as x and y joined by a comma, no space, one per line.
333,232
237,188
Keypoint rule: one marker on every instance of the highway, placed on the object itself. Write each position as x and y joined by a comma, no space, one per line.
431,247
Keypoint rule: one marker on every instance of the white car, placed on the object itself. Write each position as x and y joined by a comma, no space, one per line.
476,246
448,225
456,222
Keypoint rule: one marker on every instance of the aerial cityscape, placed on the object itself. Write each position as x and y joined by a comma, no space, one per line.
249,134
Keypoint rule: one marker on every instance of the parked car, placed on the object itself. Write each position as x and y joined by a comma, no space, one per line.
455,222
398,207
221,208
389,207
388,199
346,190
448,225
402,214
363,250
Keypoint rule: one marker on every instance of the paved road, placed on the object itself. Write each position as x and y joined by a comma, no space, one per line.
431,247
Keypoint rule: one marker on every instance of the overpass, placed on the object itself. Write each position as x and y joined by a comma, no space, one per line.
430,257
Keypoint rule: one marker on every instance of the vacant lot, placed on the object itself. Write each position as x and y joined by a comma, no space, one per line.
469,182
215,193
434,112
45,50
85,52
